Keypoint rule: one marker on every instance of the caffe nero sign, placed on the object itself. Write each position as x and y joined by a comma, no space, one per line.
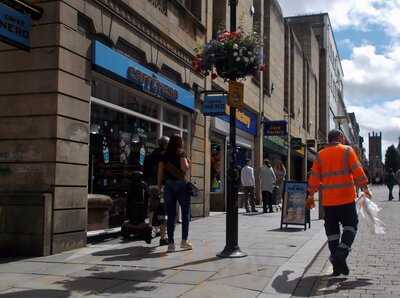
15,27
151,84
118,66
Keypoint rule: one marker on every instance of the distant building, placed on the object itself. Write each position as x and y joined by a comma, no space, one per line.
376,168
332,110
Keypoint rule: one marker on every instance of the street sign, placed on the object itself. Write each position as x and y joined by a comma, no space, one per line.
15,27
296,143
311,143
275,128
235,95
214,105
294,210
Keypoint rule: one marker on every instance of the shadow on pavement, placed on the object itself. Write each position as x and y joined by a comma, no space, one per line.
125,281
305,286
290,230
133,281
37,293
134,253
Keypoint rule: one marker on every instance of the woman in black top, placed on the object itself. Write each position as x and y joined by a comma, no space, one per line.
172,169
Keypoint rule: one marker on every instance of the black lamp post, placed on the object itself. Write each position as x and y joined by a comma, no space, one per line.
232,249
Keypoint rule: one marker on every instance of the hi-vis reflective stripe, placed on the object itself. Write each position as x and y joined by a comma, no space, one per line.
359,179
333,237
350,229
337,186
345,246
355,166
346,161
334,173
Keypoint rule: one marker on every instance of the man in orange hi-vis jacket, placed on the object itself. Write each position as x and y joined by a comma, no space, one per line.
336,173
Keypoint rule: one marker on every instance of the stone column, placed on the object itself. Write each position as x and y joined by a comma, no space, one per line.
44,119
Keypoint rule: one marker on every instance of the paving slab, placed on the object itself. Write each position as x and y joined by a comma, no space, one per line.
275,263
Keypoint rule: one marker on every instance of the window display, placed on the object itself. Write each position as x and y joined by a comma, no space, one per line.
124,129
119,144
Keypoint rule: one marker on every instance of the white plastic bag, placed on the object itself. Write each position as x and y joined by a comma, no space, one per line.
369,211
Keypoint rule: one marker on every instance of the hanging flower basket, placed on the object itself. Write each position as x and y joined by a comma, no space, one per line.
233,56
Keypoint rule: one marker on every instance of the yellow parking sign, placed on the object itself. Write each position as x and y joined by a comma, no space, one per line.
235,95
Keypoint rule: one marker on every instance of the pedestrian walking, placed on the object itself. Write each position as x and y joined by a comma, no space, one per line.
335,173
268,183
397,176
390,181
280,173
248,184
157,216
173,169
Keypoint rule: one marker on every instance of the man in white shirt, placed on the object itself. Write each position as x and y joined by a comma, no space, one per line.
268,182
248,184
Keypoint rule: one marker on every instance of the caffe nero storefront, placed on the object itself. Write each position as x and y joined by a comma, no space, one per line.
131,107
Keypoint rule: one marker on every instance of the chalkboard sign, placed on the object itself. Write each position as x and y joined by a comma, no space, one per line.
294,210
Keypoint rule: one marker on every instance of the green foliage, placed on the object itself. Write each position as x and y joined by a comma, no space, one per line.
392,159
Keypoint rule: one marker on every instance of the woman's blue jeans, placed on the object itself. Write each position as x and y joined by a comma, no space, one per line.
176,191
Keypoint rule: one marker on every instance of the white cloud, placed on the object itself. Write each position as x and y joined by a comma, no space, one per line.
380,117
351,13
370,76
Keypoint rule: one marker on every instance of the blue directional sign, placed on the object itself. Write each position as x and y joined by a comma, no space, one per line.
214,105
15,27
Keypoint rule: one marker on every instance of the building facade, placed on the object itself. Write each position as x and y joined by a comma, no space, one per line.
331,104
102,82
104,79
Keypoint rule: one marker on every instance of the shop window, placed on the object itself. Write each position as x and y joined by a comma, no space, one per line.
170,73
172,117
118,146
169,131
131,51
185,122
122,97
219,17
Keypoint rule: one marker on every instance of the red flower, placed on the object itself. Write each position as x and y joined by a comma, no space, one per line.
214,76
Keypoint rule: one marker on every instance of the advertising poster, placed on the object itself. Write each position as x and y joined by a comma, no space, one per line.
294,205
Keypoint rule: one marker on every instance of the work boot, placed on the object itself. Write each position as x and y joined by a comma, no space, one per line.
336,271
340,261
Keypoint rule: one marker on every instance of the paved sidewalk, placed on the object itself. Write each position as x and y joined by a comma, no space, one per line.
135,269
374,261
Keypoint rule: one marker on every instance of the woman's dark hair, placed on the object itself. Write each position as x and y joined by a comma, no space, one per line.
175,144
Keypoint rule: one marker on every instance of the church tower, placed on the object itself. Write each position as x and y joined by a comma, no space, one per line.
376,168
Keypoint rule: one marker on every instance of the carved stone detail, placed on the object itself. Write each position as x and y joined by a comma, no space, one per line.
127,14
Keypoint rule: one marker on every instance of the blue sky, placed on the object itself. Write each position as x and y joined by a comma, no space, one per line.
367,33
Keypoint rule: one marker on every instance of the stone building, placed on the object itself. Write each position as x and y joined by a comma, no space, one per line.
104,79
73,105
302,100
331,103
376,166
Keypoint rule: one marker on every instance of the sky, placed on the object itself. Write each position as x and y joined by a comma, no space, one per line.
367,33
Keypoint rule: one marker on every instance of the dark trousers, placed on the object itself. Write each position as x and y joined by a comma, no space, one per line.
176,191
249,198
390,187
267,201
346,215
